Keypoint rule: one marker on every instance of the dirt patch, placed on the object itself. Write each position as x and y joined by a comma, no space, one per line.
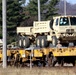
38,71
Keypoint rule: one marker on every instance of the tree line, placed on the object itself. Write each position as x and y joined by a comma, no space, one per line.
19,14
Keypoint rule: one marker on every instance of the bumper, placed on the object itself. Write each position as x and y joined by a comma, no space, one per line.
69,38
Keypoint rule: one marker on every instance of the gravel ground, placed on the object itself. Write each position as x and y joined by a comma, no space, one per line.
38,71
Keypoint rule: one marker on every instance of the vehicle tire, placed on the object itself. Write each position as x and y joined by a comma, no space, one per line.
26,42
43,41
20,44
38,41
54,40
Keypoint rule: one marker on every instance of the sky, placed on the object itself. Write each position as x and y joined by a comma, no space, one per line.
26,2
70,1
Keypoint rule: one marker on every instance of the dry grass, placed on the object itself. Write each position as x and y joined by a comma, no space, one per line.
38,71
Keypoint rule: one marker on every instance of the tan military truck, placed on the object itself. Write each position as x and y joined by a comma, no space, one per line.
25,36
42,33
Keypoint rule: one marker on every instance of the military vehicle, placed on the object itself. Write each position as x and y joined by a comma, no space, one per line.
43,33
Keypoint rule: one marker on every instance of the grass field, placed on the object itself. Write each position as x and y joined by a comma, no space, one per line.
38,71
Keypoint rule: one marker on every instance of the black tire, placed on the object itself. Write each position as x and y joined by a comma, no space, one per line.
54,40
41,41
38,41
20,44
44,42
26,42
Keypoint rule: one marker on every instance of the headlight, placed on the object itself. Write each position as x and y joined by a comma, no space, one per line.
69,30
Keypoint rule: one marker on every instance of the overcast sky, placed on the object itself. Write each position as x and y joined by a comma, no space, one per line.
70,1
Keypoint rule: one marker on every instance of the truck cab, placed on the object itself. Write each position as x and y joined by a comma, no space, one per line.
65,28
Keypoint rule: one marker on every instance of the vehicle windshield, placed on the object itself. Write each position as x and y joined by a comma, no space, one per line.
64,21
73,20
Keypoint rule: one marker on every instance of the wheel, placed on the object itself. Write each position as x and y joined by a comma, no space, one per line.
26,42
41,41
54,40
44,42
38,39
20,42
